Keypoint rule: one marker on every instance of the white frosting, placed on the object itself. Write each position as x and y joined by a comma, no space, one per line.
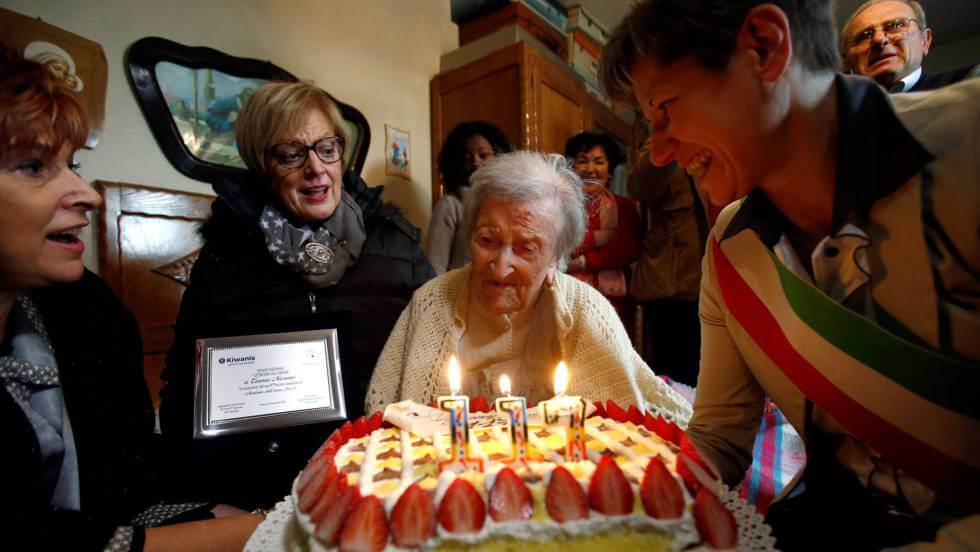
657,448
633,468
406,450
440,444
549,455
407,472
368,468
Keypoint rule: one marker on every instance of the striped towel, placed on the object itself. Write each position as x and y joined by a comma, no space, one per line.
777,455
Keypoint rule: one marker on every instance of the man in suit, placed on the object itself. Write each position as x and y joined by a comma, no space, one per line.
887,41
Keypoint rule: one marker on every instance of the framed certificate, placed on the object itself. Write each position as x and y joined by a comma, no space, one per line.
267,381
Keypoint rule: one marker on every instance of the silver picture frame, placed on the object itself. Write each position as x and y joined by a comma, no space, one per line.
276,385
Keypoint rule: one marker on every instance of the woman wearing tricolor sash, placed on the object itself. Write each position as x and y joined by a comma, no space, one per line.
842,280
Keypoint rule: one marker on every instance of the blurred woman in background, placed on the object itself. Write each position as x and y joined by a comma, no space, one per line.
466,148
612,236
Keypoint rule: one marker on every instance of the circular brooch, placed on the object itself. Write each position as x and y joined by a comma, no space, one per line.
319,252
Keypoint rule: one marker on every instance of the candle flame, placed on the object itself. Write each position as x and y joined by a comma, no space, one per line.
561,379
505,385
454,376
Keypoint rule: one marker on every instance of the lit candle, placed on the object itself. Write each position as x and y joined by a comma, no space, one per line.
574,408
458,407
516,409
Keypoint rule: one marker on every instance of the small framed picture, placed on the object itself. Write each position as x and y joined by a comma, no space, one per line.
398,155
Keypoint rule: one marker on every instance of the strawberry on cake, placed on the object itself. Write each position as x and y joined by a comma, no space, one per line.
375,484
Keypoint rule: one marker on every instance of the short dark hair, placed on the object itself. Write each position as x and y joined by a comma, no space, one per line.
453,154
668,30
585,141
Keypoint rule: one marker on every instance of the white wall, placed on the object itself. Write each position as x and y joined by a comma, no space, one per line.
378,55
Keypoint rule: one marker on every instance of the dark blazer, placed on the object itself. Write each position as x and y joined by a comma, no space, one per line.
99,353
235,280
932,81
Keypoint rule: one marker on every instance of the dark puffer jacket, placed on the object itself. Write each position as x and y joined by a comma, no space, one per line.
235,280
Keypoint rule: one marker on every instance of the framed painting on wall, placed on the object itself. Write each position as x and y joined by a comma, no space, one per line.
191,98
398,155
79,61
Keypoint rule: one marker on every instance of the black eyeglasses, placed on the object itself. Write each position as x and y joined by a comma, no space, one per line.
895,30
293,155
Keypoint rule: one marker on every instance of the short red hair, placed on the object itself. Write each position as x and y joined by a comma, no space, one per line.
37,108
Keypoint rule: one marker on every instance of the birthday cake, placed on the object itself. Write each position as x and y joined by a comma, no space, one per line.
390,482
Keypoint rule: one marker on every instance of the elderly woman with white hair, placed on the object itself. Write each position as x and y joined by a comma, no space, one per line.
512,310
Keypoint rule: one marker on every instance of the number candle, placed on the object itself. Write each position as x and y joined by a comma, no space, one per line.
516,409
458,407
574,407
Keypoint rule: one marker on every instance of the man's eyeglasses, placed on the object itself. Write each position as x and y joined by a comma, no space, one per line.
895,30
293,155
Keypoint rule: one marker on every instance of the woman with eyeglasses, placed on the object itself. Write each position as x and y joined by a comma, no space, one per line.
300,235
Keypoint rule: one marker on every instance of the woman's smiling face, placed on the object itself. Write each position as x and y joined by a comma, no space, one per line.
709,122
592,165
513,252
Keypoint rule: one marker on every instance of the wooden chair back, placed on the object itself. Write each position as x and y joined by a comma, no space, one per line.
148,242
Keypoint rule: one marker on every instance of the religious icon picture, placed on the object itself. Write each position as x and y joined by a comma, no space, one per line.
398,157
80,62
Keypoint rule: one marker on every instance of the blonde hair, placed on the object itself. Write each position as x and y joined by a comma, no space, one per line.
274,113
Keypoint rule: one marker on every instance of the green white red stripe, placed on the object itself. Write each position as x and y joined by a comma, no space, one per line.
876,385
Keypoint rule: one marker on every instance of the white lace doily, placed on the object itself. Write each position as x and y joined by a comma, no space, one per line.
278,533
275,533
753,533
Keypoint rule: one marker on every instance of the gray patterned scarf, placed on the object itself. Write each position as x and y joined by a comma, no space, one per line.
20,376
319,256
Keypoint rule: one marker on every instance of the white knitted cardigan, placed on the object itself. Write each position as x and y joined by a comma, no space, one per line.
593,342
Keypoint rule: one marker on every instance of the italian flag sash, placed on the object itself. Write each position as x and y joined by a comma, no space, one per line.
917,408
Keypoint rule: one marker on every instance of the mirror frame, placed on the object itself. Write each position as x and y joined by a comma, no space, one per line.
142,59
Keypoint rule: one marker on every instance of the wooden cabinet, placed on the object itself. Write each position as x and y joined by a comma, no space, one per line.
537,102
